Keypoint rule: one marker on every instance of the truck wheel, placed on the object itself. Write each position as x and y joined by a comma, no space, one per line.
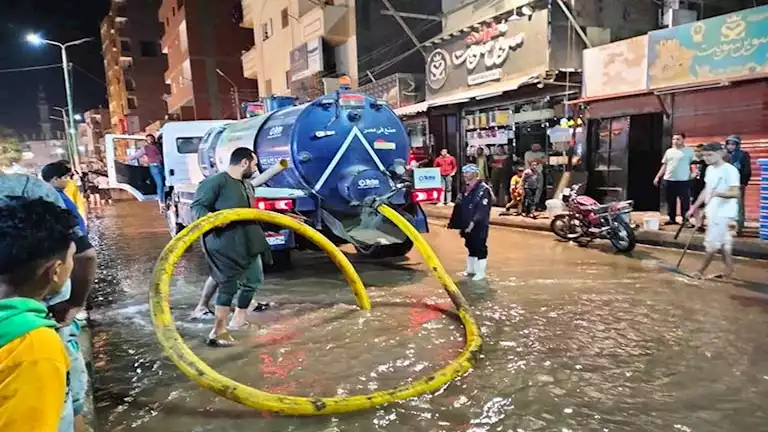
385,251
281,259
172,220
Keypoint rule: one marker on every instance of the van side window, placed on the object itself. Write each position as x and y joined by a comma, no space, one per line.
188,145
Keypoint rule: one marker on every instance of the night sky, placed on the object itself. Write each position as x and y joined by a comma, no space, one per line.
60,21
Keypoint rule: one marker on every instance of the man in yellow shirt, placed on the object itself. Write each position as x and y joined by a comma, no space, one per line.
36,259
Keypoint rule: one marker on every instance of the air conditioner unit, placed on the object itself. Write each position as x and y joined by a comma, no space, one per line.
676,17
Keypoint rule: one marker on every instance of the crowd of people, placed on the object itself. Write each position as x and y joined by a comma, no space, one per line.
47,267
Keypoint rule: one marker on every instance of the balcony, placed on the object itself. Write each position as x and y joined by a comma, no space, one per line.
251,63
247,7
328,21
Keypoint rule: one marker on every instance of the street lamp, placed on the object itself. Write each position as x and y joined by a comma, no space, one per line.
72,132
35,39
234,87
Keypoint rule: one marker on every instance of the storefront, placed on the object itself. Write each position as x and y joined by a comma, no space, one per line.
496,85
705,79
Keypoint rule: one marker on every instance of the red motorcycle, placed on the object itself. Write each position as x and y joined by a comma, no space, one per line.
587,220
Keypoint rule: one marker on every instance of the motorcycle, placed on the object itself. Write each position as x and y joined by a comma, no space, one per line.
586,220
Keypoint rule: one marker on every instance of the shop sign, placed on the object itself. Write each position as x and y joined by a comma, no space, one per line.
307,59
489,52
719,48
427,178
619,67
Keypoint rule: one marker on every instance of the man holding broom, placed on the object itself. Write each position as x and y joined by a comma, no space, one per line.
721,197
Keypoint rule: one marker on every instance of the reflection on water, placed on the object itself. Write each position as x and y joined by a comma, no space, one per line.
575,340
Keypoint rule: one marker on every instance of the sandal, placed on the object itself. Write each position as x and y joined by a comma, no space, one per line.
245,326
223,340
262,307
206,315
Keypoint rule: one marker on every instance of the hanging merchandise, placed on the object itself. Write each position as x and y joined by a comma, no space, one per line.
502,118
483,120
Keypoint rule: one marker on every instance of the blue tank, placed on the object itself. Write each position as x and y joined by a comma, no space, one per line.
345,147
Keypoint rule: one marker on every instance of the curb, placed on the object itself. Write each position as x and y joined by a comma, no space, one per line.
747,248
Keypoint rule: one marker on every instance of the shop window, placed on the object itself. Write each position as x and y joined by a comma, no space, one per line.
132,103
284,17
149,49
188,145
266,29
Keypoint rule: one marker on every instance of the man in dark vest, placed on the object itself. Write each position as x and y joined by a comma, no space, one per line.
237,252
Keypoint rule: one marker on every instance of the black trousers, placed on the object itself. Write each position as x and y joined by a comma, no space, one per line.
675,190
476,242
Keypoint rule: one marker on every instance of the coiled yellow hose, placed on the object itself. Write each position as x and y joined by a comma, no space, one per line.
200,372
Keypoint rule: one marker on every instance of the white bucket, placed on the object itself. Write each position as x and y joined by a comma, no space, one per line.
651,223
554,207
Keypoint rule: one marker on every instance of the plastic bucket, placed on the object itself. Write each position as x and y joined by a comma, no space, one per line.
651,223
554,207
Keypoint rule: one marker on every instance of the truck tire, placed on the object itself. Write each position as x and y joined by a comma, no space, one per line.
172,220
281,259
385,251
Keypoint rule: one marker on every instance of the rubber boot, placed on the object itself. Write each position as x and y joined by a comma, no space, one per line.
480,267
470,270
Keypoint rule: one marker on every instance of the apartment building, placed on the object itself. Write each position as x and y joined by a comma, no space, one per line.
133,64
90,133
203,44
300,47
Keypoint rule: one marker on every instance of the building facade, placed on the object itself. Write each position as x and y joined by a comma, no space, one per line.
133,64
204,44
706,79
301,47
90,133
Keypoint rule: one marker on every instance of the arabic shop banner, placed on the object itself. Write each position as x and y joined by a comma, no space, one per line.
491,51
614,68
728,46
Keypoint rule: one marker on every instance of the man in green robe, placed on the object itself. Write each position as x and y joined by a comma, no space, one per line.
235,253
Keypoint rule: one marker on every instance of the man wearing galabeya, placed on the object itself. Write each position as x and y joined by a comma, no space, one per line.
237,252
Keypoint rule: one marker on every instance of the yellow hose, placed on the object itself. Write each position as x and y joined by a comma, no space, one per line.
200,372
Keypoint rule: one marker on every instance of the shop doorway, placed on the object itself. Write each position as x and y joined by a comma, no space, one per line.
624,157
444,131
645,153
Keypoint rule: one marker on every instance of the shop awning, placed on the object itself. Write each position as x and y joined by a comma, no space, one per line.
487,91
412,109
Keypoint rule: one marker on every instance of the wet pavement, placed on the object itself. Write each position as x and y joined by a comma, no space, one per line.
575,340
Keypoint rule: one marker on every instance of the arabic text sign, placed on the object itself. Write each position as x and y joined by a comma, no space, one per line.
727,46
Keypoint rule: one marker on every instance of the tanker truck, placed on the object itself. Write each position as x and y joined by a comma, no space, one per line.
327,163
345,152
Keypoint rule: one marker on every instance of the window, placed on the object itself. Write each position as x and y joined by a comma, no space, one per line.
130,84
268,88
188,145
183,37
125,47
132,102
149,49
173,10
167,22
179,4
266,30
288,79
284,17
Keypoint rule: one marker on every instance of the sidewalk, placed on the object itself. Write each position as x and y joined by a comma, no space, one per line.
748,247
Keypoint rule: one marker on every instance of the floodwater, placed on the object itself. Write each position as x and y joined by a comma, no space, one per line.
575,340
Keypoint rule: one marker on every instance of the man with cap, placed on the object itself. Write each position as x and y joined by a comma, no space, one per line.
742,162
471,217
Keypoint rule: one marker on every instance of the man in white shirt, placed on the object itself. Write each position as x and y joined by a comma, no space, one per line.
721,196
676,172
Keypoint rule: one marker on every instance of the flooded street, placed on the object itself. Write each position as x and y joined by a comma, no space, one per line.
575,340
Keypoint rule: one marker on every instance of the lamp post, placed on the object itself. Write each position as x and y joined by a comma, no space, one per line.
35,39
234,88
73,154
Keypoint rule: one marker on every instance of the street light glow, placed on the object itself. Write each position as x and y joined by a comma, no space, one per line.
34,39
